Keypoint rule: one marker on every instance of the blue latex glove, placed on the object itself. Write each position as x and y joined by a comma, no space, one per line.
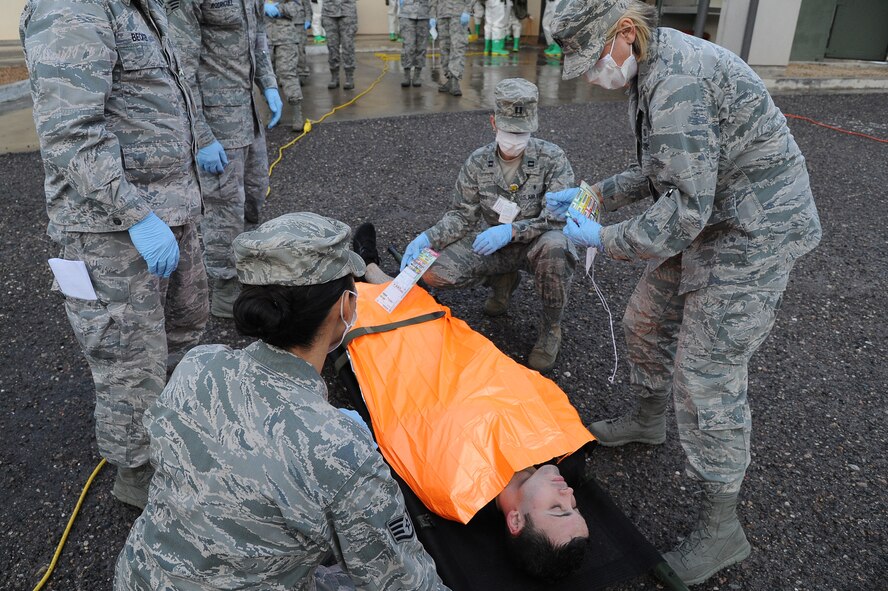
582,230
271,10
414,248
353,415
156,243
492,239
212,158
464,19
307,25
273,98
559,201
433,22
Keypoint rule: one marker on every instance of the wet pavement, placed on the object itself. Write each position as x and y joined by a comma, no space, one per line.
387,98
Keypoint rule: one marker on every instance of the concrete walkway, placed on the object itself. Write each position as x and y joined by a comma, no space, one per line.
482,73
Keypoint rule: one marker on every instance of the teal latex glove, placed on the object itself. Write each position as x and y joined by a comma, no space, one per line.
558,202
433,22
212,158
492,239
413,249
273,98
464,19
353,415
581,230
271,10
307,25
156,243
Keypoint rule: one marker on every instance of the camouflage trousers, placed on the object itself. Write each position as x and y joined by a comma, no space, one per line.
285,59
135,332
550,257
304,70
698,346
242,185
415,33
341,31
454,38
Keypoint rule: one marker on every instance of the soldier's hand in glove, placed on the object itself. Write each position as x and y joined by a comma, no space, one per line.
492,239
581,230
464,19
307,25
433,23
273,98
413,249
271,10
558,202
212,158
156,243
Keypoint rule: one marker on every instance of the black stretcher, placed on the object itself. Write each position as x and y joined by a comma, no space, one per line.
472,557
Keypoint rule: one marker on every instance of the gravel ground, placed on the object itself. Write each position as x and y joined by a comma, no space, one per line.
814,503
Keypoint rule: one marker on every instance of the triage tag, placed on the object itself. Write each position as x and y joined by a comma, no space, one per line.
586,202
507,210
406,279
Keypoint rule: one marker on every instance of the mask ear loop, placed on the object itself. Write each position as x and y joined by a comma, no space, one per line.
601,298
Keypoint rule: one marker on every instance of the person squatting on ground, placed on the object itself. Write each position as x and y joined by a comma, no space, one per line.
504,183
415,27
122,194
284,37
451,18
259,479
732,212
223,50
391,7
340,18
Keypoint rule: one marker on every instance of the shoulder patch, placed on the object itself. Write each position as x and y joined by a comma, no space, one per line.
401,528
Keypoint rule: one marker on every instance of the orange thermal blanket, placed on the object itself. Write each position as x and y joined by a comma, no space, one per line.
454,416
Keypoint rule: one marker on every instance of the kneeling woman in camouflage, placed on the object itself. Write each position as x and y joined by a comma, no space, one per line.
732,211
258,478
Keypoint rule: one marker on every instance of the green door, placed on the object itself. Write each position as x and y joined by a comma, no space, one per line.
859,30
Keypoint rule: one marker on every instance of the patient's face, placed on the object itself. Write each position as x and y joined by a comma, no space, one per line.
545,496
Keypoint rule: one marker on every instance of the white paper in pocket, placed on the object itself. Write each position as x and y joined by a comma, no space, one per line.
73,279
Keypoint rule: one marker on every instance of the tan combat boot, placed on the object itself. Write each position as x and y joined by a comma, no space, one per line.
416,79
131,485
297,122
544,353
503,286
405,83
717,541
349,80
645,424
225,292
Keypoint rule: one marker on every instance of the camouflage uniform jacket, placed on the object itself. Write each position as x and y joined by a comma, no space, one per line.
449,8
113,114
480,184
283,29
735,200
223,49
258,478
415,9
339,8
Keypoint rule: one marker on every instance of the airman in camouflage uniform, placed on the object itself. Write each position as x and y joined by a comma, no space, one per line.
258,478
286,34
223,49
414,23
340,18
114,117
454,38
537,243
732,212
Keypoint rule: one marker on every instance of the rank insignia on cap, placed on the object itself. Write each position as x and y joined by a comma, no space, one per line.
401,528
519,110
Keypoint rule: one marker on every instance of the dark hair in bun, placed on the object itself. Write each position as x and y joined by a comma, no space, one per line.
287,316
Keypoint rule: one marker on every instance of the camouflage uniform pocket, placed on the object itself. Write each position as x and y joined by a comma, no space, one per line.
725,417
745,324
98,327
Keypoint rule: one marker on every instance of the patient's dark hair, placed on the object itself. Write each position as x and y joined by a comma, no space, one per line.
287,316
535,554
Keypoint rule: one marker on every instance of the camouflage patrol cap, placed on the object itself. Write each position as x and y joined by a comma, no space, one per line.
580,27
516,105
296,249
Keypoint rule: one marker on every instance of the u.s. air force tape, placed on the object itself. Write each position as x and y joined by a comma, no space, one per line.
401,528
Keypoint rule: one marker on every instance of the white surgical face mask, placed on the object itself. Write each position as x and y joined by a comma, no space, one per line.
511,144
348,325
608,75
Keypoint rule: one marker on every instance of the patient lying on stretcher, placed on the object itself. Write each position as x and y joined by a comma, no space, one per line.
547,535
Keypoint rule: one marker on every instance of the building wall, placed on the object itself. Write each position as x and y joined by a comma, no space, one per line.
775,24
11,11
